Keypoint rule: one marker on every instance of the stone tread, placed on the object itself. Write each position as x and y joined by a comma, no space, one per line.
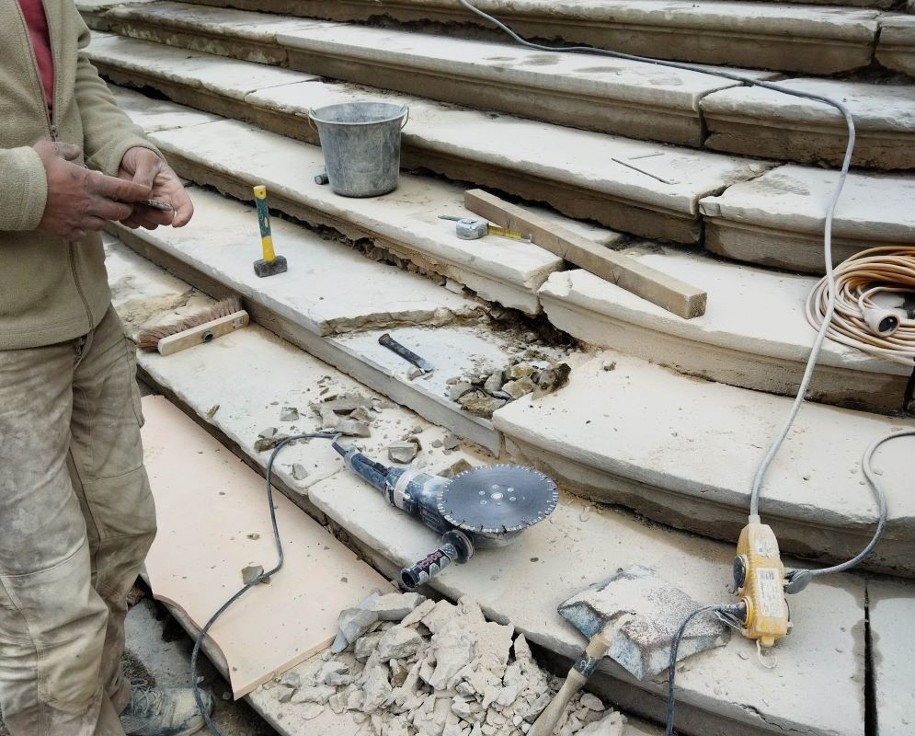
584,174
405,220
738,318
703,447
632,98
783,211
763,122
896,47
708,31
891,612
524,582
753,334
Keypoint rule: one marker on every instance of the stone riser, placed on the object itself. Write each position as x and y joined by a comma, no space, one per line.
702,39
587,107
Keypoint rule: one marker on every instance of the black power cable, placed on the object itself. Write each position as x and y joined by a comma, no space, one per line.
263,576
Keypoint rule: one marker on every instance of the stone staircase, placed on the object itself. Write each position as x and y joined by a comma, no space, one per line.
663,417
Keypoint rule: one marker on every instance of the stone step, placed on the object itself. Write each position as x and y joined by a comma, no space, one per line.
334,304
761,122
722,691
754,324
318,306
684,452
754,333
404,223
633,186
810,40
750,121
896,47
629,98
777,219
891,611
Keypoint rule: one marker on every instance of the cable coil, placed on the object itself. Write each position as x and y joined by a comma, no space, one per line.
861,320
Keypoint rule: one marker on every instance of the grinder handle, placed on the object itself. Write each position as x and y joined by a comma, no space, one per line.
575,680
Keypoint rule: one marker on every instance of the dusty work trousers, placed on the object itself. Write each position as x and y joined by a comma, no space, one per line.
76,521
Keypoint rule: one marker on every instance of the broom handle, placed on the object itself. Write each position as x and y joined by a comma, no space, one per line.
575,680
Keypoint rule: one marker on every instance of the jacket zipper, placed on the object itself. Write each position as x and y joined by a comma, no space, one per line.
53,130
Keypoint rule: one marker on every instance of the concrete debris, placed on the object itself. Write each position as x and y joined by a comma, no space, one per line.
403,452
299,471
481,395
289,414
425,668
457,467
451,441
253,572
350,415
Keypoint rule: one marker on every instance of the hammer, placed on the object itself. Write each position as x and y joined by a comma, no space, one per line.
271,264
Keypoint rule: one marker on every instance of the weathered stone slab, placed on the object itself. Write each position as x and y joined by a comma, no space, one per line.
235,157
328,288
754,333
896,47
777,219
631,98
771,35
691,464
633,186
762,122
617,96
891,610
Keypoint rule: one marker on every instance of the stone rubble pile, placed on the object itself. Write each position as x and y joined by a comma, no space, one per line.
486,392
406,665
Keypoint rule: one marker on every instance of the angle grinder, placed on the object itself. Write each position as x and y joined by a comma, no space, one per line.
480,508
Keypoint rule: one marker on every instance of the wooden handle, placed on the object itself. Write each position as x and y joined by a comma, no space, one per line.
549,717
202,333
575,680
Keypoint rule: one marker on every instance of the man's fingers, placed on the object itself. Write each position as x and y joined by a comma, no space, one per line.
108,209
67,151
122,190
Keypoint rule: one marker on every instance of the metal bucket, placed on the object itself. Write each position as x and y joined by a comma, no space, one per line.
361,144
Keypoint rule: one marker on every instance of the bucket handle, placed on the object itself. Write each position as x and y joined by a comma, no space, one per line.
312,112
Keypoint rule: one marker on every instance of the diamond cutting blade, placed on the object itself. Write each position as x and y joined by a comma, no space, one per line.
497,499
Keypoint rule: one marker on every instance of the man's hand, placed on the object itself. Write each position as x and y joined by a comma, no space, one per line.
142,166
80,200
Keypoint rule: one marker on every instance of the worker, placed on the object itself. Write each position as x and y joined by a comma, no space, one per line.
76,512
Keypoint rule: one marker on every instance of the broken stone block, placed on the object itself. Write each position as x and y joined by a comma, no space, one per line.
337,703
519,371
441,613
377,688
289,414
366,645
402,452
299,472
481,405
457,390
552,378
519,388
253,572
395,606
399,643
268,434
334,673
451,441
317,694
591,702
418,613
507,696
650,610
613,724
493,383
354,622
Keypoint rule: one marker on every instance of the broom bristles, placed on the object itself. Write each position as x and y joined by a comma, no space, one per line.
148,339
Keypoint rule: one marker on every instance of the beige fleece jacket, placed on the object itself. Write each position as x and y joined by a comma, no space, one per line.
51,290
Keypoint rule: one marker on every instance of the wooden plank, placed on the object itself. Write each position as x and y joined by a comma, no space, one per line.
213,522
667,292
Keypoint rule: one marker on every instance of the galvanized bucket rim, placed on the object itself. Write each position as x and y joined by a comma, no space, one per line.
404,112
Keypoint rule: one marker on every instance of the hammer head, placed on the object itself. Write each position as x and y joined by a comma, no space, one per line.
270,268
642,613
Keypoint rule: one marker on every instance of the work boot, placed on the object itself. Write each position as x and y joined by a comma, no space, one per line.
164,712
